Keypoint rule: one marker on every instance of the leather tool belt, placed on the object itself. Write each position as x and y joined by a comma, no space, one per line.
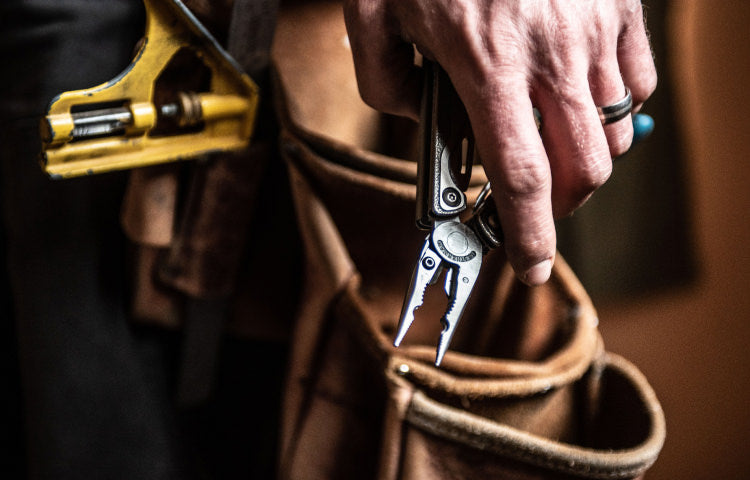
527,390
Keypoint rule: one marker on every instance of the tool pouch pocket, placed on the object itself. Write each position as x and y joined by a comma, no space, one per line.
526,391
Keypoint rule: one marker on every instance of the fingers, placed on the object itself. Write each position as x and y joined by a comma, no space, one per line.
608,88
635,58
387,78
566,60
514,158
575,142
579,144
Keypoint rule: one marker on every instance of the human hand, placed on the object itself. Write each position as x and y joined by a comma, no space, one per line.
505,57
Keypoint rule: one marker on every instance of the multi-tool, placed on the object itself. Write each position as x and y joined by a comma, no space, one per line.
443,172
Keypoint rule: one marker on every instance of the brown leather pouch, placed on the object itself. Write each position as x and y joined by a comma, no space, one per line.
526,390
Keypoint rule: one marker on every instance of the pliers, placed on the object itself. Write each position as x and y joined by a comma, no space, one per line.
443,173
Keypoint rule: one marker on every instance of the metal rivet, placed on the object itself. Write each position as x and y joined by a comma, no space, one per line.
452,197
428,263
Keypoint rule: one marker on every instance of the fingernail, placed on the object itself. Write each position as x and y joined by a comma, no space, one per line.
539,273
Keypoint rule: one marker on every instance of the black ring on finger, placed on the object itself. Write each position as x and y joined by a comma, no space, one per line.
617,111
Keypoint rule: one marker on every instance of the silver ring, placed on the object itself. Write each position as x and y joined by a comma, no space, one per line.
617,111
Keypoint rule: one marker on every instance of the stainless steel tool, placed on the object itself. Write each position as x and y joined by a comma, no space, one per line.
444,171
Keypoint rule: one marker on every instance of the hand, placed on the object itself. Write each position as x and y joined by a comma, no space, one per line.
504,57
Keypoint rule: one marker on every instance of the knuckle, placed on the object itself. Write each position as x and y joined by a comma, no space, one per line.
569,89
620,140
640,72
593,174
526,180
574,188
645,86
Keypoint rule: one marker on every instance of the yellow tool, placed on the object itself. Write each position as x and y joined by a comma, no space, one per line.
182,96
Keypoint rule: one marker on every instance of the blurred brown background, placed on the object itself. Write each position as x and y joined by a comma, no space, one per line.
663,248
692,339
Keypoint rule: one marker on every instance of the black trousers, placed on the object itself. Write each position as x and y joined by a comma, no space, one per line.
90,400
91,395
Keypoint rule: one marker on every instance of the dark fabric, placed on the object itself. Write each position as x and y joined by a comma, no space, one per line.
98,392
92,391
95,394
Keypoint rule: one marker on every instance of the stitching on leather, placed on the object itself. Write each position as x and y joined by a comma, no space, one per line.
500,444
517,453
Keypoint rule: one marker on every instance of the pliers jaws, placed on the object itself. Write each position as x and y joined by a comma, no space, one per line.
443,175
454,248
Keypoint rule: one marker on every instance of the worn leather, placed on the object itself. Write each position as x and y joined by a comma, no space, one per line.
526,391
536,397
206,229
